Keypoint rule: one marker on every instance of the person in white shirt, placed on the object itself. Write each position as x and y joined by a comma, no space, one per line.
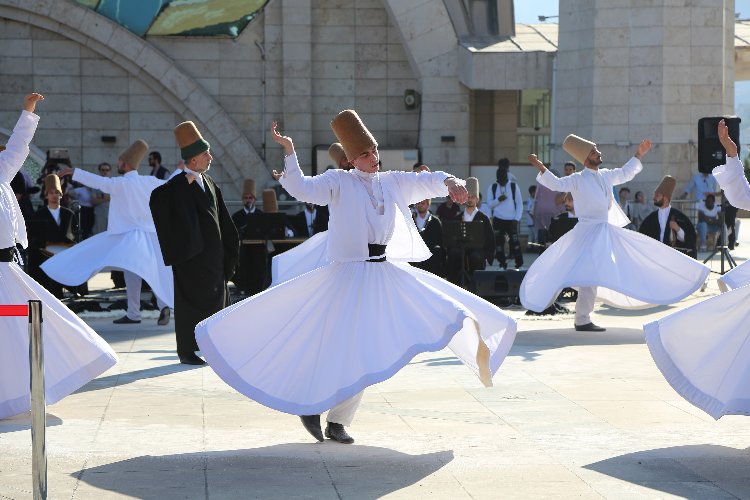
708,219
73,353
615,260
129,243
505,201
530,213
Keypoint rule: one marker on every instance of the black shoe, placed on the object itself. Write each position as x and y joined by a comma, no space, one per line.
191,359
338,433
312,425
590,327
164,316
126,321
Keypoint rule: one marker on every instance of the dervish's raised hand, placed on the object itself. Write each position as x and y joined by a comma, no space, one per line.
276,175
422,168
726,141
456,190
29,102
284,140
643,148
536,162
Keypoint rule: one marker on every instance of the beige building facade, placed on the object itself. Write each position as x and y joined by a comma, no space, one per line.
458,81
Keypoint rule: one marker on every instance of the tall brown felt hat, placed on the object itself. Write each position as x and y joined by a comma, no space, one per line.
133,156
248,187
189,140
336,152
352,134
52,183
666,186
578,147
472,186
270,205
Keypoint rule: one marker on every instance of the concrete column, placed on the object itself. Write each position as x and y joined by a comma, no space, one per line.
296,43
630,69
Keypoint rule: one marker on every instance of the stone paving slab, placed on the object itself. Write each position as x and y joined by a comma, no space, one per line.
571,415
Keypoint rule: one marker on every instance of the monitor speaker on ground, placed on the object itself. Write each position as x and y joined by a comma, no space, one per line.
710,151
498,287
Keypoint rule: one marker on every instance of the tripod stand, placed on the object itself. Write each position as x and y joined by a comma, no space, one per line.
722,248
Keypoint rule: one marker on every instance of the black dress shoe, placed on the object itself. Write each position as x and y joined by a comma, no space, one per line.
312,425
590,327
338,433
126,321
164,316
191,359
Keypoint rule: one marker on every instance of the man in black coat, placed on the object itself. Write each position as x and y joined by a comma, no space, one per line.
51,225
157,170
669,225
313,219
431,230
197,238
251,276
476,258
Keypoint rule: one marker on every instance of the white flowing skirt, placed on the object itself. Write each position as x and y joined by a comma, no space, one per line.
735,278
704,352
632,269
310,343
73,353
136,251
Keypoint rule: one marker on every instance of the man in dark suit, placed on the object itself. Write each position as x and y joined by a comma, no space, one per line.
669,225
431,230
197,238
476,258
154,161
251,275
313,219
51,225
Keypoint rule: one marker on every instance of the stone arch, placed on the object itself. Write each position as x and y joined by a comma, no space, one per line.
151,66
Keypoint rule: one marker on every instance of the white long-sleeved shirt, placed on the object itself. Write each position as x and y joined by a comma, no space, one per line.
12,226
353,211
511,208
592,189
731,177
663,216
129,197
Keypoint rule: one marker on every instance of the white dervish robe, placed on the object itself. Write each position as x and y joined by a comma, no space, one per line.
73,353
704,350
129,243
331,330
598,252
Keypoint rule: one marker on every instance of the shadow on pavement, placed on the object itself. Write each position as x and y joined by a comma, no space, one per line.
528,343
693,471
22,422
129,377
449,361
324,470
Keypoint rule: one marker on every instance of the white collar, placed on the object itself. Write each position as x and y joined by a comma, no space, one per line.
364,175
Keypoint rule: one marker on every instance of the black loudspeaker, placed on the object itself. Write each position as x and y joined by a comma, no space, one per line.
498,287
710,151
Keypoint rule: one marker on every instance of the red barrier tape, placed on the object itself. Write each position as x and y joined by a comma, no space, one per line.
14,310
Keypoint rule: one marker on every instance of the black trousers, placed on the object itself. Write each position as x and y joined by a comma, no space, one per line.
507,228
473,257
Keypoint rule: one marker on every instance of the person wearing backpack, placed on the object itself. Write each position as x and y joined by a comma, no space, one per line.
504,199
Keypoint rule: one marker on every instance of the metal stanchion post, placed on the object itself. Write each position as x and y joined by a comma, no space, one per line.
38,404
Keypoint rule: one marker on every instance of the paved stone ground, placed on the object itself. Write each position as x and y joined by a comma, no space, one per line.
572,415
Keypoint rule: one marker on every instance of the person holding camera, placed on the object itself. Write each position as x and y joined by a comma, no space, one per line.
505,201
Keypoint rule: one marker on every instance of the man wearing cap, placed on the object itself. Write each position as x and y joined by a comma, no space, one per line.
198,239
478,258
129,243
51,225
615,260
667,224
505,201
251,272
73,353
336,152
320,338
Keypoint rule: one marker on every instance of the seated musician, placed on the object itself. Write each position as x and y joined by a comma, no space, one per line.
312,220
667,224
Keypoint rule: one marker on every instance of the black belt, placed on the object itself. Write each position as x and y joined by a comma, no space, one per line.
7,254
374,251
